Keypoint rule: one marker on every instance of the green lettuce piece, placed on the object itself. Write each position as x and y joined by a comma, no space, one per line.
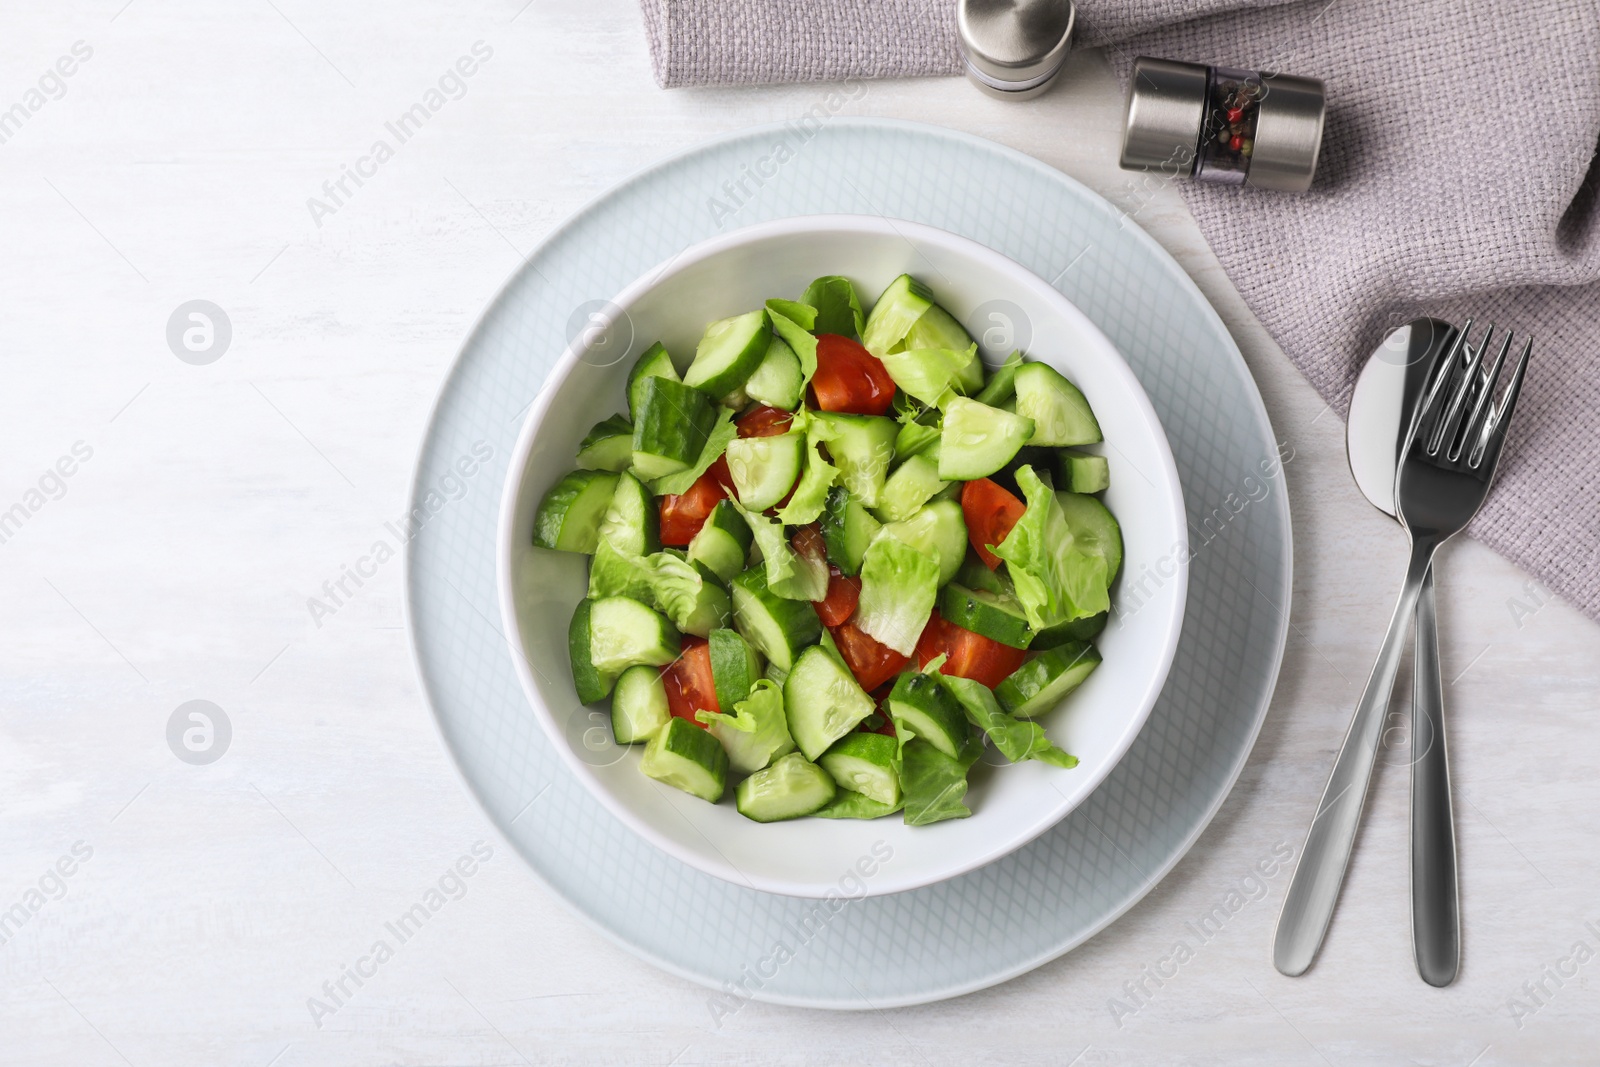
898,588
795,333
1056,581
756,732
838,307
811,495
848,804
716,444
1017,739
932,784
614,573
677,587
926,373
788,574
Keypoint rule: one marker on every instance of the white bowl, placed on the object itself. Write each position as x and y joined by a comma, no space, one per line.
1000,302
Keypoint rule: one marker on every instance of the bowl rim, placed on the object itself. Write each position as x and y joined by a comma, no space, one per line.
879,225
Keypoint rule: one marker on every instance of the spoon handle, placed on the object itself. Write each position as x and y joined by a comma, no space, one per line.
1435,905
1314,890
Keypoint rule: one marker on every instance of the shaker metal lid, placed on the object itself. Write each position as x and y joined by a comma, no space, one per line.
1014,48
1166,112
1288,133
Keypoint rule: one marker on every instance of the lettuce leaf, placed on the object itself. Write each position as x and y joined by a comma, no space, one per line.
1017,739
678,589
811,495
757,730
614,573
932,784
716,444
848,804
926,373
838,308
898,587
1056,581
788,574
791,322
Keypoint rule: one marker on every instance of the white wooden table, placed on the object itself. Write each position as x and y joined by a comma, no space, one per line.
206,503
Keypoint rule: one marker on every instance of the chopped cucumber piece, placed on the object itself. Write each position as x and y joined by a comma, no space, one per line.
734,667
655,363
632,522
974,575
670,428
764,469
861,447
729,353
1094,530
920,707
898,587
569,516
939,329
723,430
1082,472
682,755
899,307
838,308
755,731
695,605
777,381
614,573
790,788
1060,414
608,447
848,805
591,683
639,705
996,617
939,530
909,487
847,530
823,701
623,632
864,763
978,439
1002,384
925,373
723,543
1084,629
777,627
1044,680
775,673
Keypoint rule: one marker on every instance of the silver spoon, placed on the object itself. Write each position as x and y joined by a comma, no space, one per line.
1387,392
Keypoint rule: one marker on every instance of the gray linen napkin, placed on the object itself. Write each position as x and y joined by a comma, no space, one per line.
1456,179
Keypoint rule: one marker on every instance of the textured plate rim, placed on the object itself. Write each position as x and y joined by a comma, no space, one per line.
1257,407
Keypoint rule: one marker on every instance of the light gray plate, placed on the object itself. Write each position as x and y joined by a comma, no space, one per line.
1042,900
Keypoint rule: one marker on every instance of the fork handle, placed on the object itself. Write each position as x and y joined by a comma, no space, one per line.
1435,903
1314,890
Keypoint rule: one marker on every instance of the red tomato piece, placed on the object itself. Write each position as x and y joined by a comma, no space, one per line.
840,603
683,514
872,663
990,512
849,378
968,655
762,421
688,681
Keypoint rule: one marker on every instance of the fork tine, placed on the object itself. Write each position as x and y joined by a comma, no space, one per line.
1445,431
1494,435
1474,426
1425,416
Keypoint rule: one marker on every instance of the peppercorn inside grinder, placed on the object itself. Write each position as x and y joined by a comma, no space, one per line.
1217,124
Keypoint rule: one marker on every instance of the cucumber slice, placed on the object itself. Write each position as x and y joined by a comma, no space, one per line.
793,786
1060,413
909,487
1002,384
729,352
777,382
847,530
775,673
823,701
654,363
632,522
623,632
1084,629
926,373
775,626
838,308
937,328
764,469
569,516
670,427
1082,472
608,447
848,805
920,707
1040,684
939,528
974,575
639,705
978,439
723,543
995,617
861,446
686,757
591,683
864,763
1094,529
898,308
734,667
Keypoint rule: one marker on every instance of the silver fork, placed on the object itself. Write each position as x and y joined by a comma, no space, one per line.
1450,457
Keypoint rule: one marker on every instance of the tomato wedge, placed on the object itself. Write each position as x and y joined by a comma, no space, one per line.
762,421
849,378
990,512
968,655
872,663
688,681
840,603
684,513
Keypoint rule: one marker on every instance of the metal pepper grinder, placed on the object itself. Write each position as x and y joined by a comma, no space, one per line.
1013,49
